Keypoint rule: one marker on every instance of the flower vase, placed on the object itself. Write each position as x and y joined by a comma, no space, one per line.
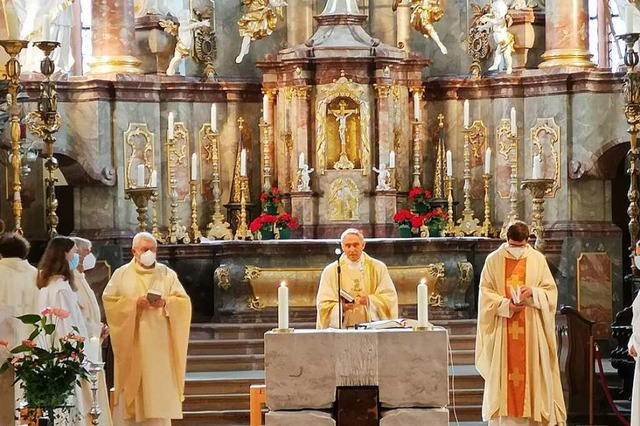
267,234
434,230
285,233
271,209
404,231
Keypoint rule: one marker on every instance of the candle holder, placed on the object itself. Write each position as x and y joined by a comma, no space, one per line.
428,327
140,197
487,227
538,187
512,151
450,228
12,69
265,139
94,369
417,153
283,330
467,224
218,228
439,190
194,233
177,233
154,217
242,233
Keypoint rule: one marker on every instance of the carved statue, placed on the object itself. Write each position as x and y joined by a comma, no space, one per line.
423,15
497,21
304,178
184,39
384,178
343,199
341,115
258,21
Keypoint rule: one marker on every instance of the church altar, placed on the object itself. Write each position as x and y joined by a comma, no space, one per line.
304,368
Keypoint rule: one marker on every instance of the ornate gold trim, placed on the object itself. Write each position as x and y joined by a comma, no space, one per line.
383,90
251,272
178,157
221,275
131,148
507,149
552,147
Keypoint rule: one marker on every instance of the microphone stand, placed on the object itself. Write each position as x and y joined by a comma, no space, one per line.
339,292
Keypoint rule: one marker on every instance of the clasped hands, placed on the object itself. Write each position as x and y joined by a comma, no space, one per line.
362,300
143,303
525,293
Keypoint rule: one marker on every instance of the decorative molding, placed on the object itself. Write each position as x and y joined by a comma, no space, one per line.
138,143
545,141
221,275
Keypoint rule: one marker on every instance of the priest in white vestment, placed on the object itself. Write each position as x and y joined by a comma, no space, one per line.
18,296
516,341
364,279
149,316
634,348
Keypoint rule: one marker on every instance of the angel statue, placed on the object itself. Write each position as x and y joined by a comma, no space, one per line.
497,20
184,38
384,178
304,178
258,21
423,14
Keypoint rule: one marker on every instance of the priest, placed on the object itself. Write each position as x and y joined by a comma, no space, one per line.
367,292
149,315
516,343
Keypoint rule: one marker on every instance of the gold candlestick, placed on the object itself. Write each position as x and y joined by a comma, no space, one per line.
451,228
265,139
242,233
467,224
513,180
194,233
538,187
289,183
140,197
12,69
177,232
218,228
154,217
438,182
487,227
417,154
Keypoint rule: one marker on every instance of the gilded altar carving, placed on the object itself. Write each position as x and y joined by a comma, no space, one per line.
178,159
344,200
138,149
545,142
222,277
343,116
477,137
506,158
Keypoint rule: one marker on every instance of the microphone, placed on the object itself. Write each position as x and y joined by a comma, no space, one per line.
338,253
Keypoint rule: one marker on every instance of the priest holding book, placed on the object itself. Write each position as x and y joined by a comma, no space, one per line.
365,287
149,315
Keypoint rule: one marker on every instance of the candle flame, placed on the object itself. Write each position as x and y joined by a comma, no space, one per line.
283,283
423,281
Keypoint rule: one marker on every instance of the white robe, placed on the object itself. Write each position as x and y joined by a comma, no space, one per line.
634,341
18,296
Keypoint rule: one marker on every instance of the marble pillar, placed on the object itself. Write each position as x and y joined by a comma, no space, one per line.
385,208
299,21
113,38
381,20
403,26
522,29
567,35
303,207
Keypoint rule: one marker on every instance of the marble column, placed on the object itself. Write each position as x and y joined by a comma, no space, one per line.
299,21
403,25
567,35
113,38
382,22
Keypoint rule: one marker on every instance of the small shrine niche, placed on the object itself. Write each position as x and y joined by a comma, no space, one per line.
343,133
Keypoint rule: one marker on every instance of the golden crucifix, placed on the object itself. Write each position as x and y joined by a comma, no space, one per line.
342,115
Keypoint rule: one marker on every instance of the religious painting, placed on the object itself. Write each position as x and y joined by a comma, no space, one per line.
138,151
545,142
506,157
178,163
594,283
477,140
344,200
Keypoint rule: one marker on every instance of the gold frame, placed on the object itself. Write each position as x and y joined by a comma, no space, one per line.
505,144
549,126
138,130
178,156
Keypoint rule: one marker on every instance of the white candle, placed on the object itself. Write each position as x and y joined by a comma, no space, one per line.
243,162
466,113
301,160
487,161
214,118
423,303
629,18
514,124
154,179
392,160
194,166
92,349
46,28
283,306
536,173
140,176
416,106
449,164
170,126
265,108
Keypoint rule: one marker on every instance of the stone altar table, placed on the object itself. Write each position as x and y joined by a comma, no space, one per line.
303,369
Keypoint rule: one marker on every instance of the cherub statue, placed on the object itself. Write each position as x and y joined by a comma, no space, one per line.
304,179
423,15
258,21
184,39
384,178
497,21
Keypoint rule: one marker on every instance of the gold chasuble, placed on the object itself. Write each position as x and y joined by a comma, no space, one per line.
369,277
516,353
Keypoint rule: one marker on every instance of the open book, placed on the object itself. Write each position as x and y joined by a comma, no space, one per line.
384,324
346,296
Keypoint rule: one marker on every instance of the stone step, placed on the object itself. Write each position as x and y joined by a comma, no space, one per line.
465,413
225,362
214,418
226,347
462,341
465,397
210,386
216,402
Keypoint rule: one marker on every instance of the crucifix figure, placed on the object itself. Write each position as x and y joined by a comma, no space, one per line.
341,117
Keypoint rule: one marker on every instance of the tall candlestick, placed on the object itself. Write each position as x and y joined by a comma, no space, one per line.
423,303
416,106
170,126
265,108
301,160
392,160
487,161
46,28
466,113
194,166
449,164
153,181
513,122
214,118
629,17
243,162
140,177
283,306
536,173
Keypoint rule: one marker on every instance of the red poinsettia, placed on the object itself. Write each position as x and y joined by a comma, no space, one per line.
417,221
419,195
270,197
264,221
285,220
403,217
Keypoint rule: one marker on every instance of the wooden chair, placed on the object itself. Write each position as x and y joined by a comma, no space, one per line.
257,398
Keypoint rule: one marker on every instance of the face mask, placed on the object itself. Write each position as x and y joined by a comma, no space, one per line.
148,258
75,261
89,262
516,252
636,260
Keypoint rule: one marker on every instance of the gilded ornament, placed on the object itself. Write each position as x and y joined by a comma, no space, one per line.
222,276
344,200
251,272
545,139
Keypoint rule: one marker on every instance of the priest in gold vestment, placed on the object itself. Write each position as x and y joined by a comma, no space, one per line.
516,343
364,278
149,315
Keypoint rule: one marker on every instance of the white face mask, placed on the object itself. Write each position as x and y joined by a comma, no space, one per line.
89,262
636,261
148,258
516,252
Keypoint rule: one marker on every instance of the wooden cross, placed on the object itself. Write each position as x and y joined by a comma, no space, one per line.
515,330
516,377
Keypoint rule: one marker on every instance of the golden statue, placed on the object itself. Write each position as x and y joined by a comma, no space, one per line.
258,21
424,13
